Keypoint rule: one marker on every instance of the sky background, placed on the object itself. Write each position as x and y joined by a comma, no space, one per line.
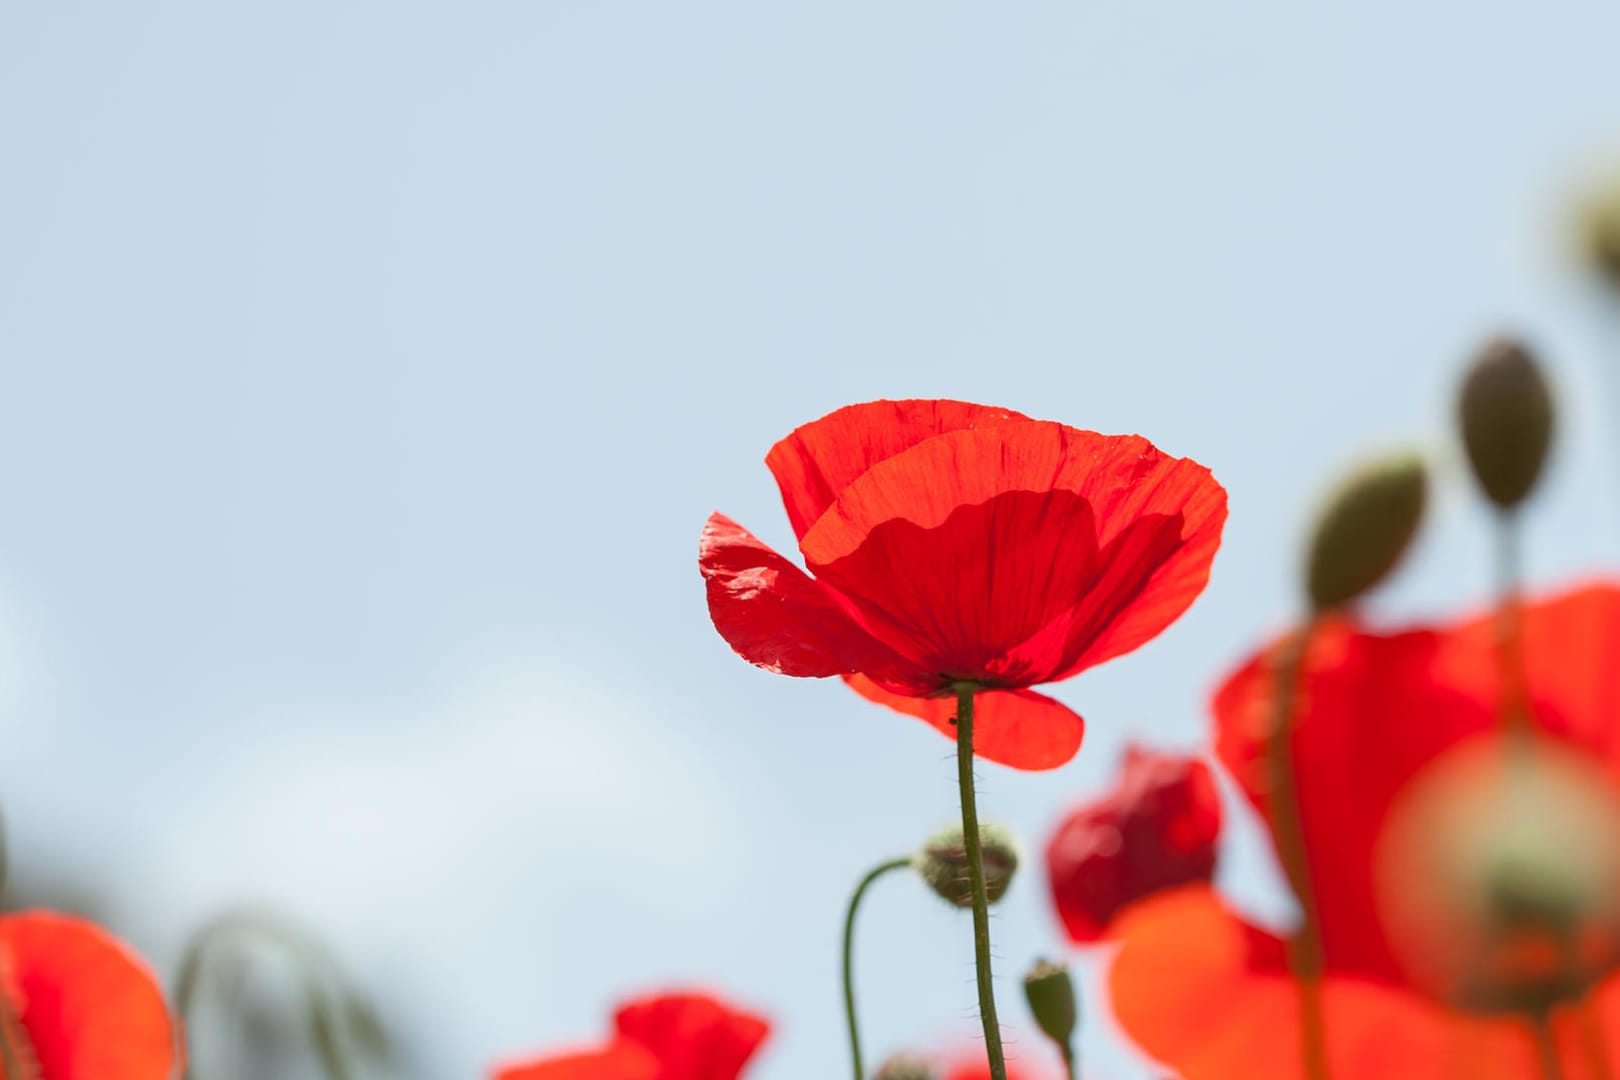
369,370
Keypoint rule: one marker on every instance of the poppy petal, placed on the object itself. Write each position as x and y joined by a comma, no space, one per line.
693,1036
617,1061
1019,728
1374,709
822,458
88,1005
773,615
1023,552
1155,830
1206,994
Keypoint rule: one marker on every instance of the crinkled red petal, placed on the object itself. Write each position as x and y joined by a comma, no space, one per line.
1019,728
775,616
825,456
1156,829
88,1006
693,1036
1020,553
616,1061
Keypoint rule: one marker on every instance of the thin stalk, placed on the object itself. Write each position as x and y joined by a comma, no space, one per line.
1304,947
1546,1047
849,956
981,900
1515,699
1071,1063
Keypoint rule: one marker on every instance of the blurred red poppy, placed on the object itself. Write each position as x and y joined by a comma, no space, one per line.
1156,829
1373,710
953,542
681,1036
77,1004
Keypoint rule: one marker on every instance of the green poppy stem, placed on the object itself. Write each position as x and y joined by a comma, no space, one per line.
1305,946
981,900
849,956
1515,693
1595,1041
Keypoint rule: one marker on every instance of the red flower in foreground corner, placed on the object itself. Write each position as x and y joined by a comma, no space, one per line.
1156,829
1211,995
961,543
663,1037
76,1005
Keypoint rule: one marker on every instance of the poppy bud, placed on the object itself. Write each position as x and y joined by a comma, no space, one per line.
1603,235
1499,877
1506,413
905,1066
1050,993
1364,529
943,863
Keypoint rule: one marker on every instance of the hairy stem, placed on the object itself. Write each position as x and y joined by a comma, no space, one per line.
981,901
849,956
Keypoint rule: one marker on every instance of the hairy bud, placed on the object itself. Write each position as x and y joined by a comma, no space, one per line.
943,863
1364,528
1506,413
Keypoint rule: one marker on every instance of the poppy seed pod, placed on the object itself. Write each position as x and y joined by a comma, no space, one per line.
1506,413
1364,528
1603,234
1050,993
942,862
905,1067
1499,877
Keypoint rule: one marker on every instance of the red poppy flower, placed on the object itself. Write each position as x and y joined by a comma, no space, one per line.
77,1004
686,1036
1202,990
953,542
1156,829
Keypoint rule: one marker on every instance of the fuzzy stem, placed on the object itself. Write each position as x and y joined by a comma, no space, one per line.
981,901
849,956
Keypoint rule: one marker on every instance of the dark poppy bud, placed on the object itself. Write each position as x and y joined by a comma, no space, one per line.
1499,877
1506,412
1050,993
906,1067
1364,529
943,863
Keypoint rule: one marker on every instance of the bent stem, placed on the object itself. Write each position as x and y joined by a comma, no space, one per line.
981,901
849,956
1546,1047
1304,947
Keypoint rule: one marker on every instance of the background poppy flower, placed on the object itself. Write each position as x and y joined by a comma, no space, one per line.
956,542
680,1036
79,1004
1156,829
1372,711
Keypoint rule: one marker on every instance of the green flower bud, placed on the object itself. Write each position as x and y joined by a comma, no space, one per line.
1364,529
1050,993
1506,413
943,863
1602,234
905,1066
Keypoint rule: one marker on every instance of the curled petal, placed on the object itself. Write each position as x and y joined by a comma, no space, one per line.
89,1007
774,615
823,457
693,1036
1019,728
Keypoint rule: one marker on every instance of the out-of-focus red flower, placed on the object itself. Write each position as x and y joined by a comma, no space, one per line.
1156,829
681,1036
1205,992
955,542
77,1004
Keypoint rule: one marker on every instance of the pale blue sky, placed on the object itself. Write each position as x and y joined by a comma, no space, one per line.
369,369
